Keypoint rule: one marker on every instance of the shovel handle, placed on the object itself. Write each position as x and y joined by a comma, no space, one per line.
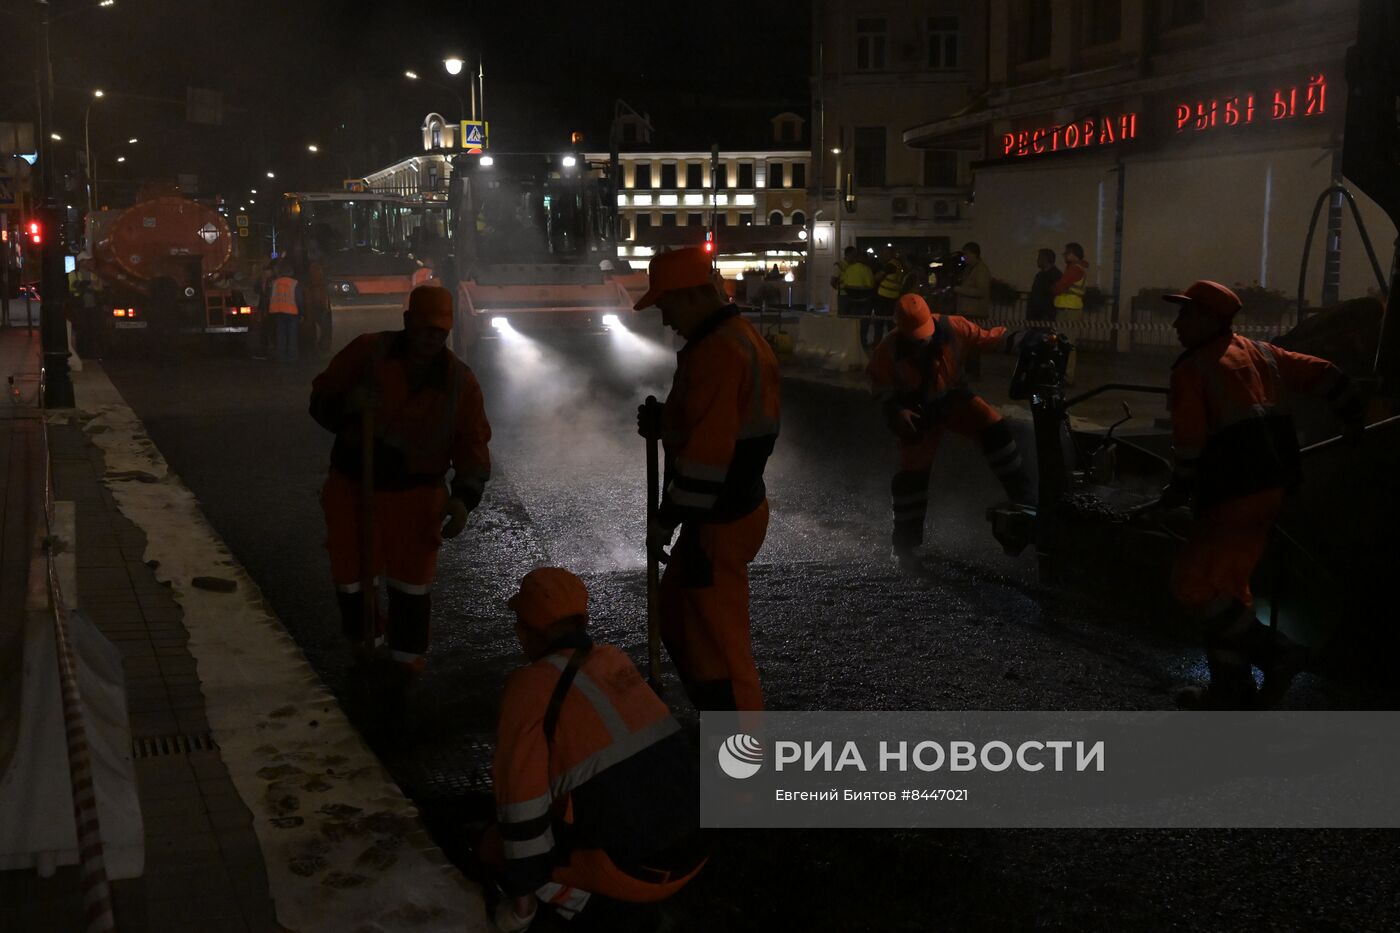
653,569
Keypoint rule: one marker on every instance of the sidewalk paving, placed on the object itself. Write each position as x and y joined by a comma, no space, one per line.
208,814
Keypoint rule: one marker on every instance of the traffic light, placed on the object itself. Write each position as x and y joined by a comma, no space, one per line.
709,241
36,233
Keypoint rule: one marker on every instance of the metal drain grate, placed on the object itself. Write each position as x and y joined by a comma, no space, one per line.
160,746
445,773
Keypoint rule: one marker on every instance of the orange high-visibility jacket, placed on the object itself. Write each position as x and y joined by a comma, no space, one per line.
720,423
907,374
283,299
618,776
420,431
1228,437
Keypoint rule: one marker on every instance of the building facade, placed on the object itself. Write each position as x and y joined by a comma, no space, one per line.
1174,139
879,68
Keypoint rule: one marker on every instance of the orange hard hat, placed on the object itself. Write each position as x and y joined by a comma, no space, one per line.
429,306
912,317
547,595
1211,297
677,269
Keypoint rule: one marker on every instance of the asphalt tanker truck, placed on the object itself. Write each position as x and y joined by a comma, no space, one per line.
165,265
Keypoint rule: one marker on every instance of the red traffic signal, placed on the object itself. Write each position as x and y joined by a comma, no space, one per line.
36,235
709,242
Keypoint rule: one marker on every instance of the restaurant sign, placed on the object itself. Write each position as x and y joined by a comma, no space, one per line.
1205,114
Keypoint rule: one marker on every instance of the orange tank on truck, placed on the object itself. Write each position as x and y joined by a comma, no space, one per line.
167,262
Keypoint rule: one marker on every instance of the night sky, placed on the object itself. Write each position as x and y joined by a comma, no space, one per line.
331,73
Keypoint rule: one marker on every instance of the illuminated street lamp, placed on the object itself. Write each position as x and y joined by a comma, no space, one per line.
312,148
121,158
55,137
132,141
453,65
271,175
87,146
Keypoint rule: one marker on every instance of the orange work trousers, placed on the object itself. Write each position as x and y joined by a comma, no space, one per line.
1221,551
407,526
705,611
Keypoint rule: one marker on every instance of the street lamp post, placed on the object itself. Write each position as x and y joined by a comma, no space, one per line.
53,329
87,150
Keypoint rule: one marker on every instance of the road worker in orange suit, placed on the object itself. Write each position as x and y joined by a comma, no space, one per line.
917,375
719,425
1235,455
597,789
428,419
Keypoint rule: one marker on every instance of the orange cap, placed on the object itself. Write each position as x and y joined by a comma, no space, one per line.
912,317
548,594
429,306
1212,297
680,268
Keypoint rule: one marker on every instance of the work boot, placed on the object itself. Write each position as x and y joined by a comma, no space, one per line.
907,560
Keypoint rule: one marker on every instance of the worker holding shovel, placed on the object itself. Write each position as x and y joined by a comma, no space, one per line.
405,411
718,427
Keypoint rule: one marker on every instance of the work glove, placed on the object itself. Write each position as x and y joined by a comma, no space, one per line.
508,921
649,421
908,424
659,536
455,512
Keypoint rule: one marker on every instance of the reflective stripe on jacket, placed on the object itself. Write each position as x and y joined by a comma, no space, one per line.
420,431
1228,438
905,373
720,423
618,776
283,299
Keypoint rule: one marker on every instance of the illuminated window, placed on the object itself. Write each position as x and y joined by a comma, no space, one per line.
1033,26
942,42
870,43
1103,21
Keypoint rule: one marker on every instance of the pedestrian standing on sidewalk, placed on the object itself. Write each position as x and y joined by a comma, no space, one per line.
1040,304
427,418
285,305
1069,300
974,292
266,337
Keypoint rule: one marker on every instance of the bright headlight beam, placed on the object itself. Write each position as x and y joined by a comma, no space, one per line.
611,320
500,323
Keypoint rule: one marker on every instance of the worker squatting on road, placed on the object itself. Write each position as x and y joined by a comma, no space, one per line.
718,427
597,789
427,417
1235,455
917,375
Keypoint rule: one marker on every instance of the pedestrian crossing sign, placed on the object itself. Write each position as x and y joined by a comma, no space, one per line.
475,134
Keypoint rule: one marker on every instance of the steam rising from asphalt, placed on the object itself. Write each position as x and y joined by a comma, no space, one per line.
571,451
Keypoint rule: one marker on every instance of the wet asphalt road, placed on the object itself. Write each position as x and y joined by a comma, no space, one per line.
835,627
